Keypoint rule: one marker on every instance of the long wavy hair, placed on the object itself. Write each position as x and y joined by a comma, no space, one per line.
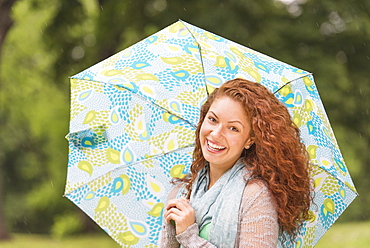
278,156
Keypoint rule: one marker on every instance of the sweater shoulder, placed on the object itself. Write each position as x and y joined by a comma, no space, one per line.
256,190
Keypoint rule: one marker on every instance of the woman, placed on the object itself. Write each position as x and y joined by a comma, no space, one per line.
249,180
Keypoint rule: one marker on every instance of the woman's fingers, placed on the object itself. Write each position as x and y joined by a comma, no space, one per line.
181,212
174,210
183,204
174,203
172,214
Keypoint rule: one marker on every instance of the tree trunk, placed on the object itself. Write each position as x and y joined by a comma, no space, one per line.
5,19
5,24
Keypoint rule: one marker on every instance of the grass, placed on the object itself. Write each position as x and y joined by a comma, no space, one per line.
349,235
45,241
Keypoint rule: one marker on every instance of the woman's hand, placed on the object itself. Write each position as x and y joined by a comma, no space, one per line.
180,211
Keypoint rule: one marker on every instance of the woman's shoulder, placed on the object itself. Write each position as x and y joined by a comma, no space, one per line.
256,184
256,187
257,193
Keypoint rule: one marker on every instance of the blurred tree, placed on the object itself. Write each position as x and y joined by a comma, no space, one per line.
5,23
30,123
5,20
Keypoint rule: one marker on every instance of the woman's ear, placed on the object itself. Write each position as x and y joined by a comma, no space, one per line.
249,143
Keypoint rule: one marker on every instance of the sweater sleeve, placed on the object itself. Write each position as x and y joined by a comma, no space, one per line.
258,219
168,238
168,235
190,238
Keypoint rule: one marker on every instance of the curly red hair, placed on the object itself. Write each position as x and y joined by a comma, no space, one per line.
278,156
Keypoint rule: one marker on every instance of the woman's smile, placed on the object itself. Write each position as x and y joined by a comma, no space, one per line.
213,147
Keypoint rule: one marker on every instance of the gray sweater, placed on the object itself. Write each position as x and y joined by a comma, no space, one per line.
258,222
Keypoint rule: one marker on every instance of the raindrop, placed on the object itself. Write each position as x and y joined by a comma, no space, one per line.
341,57
155,7
334,18
337,22
77,52
294,10
303,49
160,5
327,28
89,40
287,1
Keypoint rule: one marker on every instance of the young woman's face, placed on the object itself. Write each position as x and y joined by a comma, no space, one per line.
224,133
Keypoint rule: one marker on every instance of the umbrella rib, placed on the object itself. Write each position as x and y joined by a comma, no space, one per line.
200,53
132,164
144,99
335,176
291,82
160,107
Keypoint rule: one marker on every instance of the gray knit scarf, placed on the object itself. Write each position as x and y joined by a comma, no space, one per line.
220,204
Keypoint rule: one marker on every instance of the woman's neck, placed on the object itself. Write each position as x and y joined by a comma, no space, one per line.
214,175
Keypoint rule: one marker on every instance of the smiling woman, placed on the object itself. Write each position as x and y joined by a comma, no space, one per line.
224,134
249,180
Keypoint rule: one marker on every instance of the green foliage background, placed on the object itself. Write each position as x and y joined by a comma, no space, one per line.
52,40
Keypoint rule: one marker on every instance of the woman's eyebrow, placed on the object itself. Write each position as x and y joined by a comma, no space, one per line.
237,122
213,113
232,121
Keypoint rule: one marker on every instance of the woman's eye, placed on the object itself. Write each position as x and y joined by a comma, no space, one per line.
211,119
234,129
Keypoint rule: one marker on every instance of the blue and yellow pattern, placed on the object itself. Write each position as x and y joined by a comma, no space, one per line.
133,119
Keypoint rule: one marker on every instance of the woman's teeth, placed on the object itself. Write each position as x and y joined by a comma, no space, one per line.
215,147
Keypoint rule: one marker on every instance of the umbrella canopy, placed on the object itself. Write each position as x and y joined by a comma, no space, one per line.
133,120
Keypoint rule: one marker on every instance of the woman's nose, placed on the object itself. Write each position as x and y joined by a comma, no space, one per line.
217,131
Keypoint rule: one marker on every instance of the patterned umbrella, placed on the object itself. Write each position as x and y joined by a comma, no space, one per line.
133,118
